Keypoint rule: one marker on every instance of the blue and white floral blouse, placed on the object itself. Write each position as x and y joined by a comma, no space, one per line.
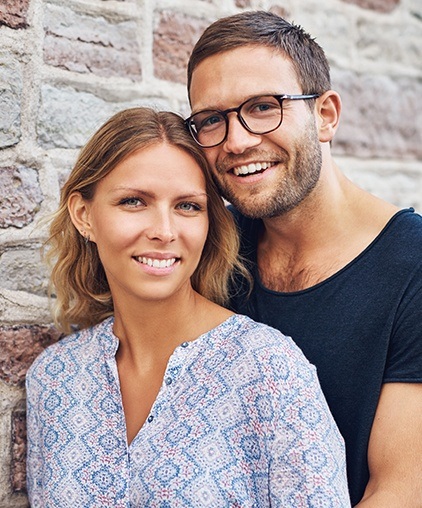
240,421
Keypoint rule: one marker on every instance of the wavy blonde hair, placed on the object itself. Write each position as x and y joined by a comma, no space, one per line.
78,280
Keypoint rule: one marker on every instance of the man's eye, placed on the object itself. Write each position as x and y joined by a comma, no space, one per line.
263,107
211,121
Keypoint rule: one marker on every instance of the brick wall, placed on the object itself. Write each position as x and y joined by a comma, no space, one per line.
67,65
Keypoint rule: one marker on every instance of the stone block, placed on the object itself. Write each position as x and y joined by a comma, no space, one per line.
19,346
68,117
387,180
18,465
87,44
21,196
13,13
375,5
381,117
280,11
10,100
175,34
377,43
23,307
24,270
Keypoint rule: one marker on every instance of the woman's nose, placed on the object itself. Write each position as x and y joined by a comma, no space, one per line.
162,228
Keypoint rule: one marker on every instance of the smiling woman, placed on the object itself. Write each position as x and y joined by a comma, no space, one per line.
83,293
163,397
148,219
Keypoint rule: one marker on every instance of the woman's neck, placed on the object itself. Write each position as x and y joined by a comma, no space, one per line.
150,331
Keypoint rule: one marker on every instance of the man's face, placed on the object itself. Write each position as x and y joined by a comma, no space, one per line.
262,175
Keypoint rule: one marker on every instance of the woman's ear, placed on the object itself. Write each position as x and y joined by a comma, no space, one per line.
79,214
328,108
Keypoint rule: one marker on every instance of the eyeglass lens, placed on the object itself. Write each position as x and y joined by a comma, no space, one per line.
259,115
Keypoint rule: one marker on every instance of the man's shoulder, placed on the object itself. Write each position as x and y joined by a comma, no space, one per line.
408,221
403,235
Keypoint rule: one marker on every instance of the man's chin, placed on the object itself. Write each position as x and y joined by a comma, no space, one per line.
253,211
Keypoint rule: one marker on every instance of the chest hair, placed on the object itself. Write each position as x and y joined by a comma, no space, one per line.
284,273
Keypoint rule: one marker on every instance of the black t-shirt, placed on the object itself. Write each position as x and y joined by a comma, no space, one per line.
361,327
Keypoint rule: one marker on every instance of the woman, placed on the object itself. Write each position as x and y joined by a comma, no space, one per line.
164,397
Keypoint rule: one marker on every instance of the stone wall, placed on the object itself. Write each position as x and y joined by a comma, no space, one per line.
67,65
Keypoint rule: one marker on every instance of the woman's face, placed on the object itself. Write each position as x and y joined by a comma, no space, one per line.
149,220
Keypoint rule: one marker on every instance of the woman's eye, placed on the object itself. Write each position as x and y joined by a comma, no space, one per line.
189,207
132,202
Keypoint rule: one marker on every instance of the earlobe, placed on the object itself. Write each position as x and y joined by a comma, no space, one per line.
328,111
79,214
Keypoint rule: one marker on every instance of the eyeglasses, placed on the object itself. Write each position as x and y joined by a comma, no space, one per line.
258,115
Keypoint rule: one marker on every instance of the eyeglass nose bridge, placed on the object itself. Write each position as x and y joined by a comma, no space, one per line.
237,110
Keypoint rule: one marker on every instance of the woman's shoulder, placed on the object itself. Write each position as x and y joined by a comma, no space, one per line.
259,334
263,341
255,354
71,348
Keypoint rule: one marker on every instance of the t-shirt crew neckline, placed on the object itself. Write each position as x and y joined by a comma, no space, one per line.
348,266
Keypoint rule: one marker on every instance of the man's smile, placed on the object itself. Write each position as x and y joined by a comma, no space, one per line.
248,169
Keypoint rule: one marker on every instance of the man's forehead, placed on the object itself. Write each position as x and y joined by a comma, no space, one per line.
226,79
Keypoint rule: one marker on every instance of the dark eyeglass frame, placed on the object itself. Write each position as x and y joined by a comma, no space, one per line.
224,113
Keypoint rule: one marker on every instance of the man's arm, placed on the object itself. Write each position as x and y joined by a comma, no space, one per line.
395,449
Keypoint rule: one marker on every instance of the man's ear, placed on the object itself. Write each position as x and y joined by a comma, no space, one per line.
79,210
328,109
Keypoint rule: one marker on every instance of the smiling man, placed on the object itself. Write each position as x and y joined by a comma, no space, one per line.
334,267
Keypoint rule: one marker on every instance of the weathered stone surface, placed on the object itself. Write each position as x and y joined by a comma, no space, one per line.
375,5
20,197
18,466
13,13
280,11
381,116
10,100
377,42
19,346
23,307
174,37
24,270
88,44
67,117
397,183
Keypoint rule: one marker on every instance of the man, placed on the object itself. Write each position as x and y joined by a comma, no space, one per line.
334,267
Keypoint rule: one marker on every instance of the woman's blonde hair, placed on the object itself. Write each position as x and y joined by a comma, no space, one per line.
78,280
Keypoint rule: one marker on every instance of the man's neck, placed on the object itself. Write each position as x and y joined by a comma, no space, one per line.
318,238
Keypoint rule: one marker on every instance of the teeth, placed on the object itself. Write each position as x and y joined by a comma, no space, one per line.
251,168
157,263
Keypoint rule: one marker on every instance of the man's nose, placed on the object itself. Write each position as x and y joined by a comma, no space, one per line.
238,137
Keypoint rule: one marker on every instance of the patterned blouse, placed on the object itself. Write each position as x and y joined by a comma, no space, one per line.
239,421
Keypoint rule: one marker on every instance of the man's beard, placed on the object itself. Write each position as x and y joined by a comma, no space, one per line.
298,177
